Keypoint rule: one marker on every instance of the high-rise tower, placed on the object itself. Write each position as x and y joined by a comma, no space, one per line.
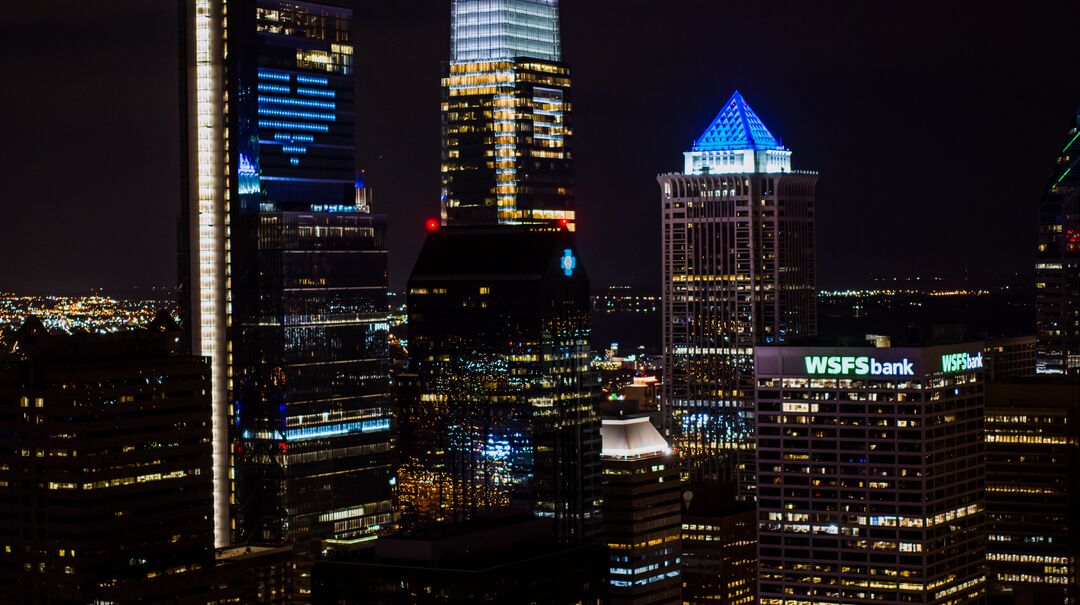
1057,269
284,271
498,410
506,155
738,271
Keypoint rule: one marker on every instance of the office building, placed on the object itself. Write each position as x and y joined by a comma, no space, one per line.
500,560
499,409
283,269
870,474
1009,357
1057,268
105,466
506,146
1032,436
738,272
719,541
642,512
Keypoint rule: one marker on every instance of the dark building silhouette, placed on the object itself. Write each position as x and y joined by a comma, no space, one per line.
719,546
105,467
499,409
738,272
1032,508
284,273
505,560
1057,269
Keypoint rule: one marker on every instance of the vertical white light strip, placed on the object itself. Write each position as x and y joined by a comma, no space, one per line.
210,245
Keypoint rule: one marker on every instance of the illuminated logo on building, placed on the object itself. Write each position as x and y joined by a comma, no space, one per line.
860,366
958,362
568,262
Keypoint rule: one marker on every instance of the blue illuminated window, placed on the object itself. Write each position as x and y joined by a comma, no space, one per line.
296,102
293,138
311,80
294,161
293,126
293,149
280,76
263,87
289,113
313,92
332,430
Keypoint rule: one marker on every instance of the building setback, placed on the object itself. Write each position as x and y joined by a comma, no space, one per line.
105,466
1032,436
738,272
1057,268
283,270
870,475
642,512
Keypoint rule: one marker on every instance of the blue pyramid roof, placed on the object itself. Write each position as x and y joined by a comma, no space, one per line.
736,127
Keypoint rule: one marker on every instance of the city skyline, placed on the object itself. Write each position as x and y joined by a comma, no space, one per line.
929,110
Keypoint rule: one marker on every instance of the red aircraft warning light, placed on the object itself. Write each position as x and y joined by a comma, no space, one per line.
432,224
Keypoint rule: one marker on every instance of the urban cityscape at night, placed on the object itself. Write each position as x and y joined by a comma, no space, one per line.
607,302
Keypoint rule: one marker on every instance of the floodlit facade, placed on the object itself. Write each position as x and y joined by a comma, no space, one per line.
870,475
738,272
642,512
1032,441
284,273
1057,269
506,117
484,30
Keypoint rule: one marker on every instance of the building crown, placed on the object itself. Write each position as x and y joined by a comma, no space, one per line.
737,141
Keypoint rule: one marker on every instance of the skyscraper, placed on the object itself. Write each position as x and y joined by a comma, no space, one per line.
499,407
284,270
870,474
1057,269
642,512
506,125
1032,504
738,271
500,411
105,464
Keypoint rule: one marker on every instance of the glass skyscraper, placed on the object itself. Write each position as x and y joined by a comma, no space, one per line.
506,153
485,30
1057,270
285,272
738,272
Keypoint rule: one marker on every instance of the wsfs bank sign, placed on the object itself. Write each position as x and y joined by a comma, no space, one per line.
958,362
860,366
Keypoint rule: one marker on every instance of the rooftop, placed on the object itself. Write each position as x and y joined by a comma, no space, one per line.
737,126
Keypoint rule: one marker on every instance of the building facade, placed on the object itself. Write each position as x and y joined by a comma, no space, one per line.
738,272
1057,269
871,475
1032,440
284,273
506,127
642,512
719,538
500,408
105,466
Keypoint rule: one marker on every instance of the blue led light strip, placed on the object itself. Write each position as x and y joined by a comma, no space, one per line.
293,126
265,74
297,102
333,430
289,113
314,92
311,80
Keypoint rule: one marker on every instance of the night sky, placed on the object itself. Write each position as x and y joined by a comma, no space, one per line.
933,124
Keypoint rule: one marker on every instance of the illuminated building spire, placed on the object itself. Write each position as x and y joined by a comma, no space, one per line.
737,140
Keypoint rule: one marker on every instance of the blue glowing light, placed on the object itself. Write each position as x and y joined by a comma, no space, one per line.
274,100
311,80
314,92
280,76
289,113
294,161
264,87
568,262
293,126
333,430
736,127
293,138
